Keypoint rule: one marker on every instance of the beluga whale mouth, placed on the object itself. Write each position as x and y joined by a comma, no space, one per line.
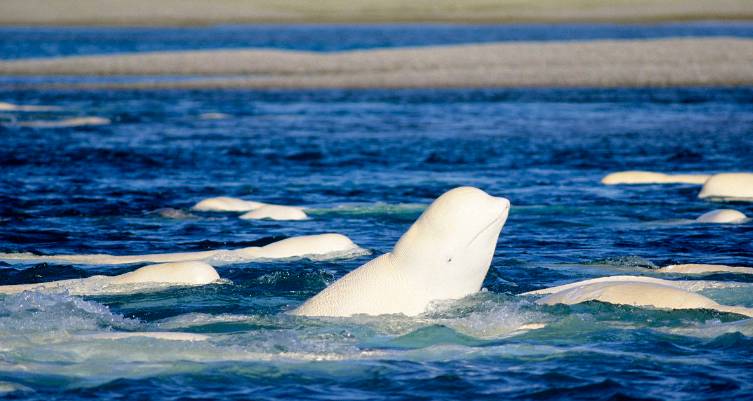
444,255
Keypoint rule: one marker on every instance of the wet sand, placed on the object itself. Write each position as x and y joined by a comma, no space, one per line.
202,12
602,63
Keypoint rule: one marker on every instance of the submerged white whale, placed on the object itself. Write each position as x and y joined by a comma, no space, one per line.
316,246
66,122
648,177
445,254
705,269
634,291
728,187
255,210
722,216
179,273
5,106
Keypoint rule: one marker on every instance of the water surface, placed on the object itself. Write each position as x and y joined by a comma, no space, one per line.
367,162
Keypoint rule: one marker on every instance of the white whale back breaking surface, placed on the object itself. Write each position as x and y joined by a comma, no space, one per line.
662,294
320,247
445,254
608,279
314,246
180,273
728,187
705,269
276,212
5,106
648,177
722,216
66,122
226,204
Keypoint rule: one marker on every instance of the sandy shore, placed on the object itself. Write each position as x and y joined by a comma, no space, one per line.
604,63
195,12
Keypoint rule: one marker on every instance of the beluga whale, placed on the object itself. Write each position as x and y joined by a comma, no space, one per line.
635,177
722,216
318,247
728,187
634,291
444,255
159,275
254,210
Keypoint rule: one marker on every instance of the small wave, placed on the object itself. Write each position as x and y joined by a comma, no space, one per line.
9,388
373,210
43,314
65,123
492,318
200,319
712,329
176,214
625,261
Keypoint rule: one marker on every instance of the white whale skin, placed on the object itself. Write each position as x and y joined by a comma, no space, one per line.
445,254
319,245
694,268
276,212
728,186
640,294
181,273
635,177
226,204
722,216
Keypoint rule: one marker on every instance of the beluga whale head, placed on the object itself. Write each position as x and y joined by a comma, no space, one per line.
444,255
452,244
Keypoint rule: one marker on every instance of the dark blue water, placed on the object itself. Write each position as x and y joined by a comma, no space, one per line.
20,42
366,162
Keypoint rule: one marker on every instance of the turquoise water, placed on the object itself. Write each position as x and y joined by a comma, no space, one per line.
367,162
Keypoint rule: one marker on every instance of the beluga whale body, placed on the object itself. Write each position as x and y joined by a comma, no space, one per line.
722,216
634,291
635,177
319,247
444,255
728,187
159,275
254,210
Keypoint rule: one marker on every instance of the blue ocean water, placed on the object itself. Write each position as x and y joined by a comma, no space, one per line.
25,42
366,162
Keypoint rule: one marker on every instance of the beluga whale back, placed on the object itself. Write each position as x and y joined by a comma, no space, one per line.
445,254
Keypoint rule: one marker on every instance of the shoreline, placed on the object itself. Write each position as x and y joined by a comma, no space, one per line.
597,63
